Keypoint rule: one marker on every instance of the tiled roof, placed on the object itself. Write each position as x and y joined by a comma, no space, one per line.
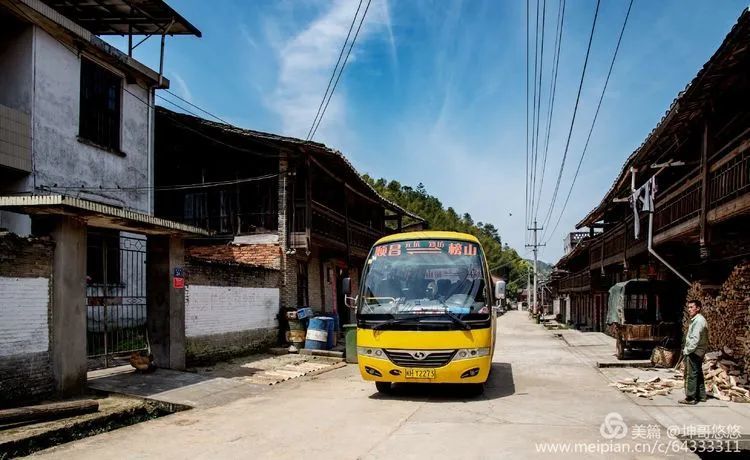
252,255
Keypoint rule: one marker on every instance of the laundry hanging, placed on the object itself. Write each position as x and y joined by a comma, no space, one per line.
645,195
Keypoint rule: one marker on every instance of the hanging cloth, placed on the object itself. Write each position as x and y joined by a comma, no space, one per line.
645,195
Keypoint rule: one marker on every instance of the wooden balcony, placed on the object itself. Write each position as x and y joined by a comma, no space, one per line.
330,228
576,282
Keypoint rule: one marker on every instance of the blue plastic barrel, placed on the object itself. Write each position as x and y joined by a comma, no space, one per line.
317,333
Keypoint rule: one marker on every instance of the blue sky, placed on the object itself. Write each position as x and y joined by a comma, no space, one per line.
434,90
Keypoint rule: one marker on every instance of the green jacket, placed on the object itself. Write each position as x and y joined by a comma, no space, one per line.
697,336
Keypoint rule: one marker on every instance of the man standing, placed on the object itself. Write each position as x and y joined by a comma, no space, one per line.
695,347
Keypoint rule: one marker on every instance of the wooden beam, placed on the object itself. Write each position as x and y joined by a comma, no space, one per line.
703,221
348,227
50,411
676,231
740,205
308,200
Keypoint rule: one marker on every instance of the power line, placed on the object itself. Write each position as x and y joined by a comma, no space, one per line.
538,107
596,114
341,71
333,73
200,185
572,122
526,204
553,91
195,106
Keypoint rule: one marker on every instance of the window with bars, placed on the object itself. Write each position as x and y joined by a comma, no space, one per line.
100,106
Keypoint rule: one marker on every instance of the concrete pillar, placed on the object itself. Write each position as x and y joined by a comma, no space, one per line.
68,330
166,303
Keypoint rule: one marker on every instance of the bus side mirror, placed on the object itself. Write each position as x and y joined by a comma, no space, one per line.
500,289
346,289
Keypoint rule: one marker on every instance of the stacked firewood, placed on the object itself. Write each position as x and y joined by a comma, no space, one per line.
649,388
728,316
724,380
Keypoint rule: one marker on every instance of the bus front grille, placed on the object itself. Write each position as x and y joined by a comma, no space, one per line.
420,358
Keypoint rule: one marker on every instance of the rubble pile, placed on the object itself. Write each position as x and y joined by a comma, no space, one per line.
724,380
655,386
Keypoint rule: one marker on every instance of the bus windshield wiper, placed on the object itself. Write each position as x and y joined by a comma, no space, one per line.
457,320
393,321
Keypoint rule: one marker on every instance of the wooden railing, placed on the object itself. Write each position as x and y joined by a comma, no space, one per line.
577,280
331,225
678,209
730,180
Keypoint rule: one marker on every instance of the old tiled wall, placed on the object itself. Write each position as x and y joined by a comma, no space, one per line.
230,310
25,309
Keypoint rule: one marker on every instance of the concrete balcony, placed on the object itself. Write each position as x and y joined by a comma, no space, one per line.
15,139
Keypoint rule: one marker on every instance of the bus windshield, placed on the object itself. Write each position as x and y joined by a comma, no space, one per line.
425,277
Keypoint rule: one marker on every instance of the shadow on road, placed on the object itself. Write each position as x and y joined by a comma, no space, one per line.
499,385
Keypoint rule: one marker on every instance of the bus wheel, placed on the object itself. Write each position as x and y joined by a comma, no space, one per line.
475,389
383,387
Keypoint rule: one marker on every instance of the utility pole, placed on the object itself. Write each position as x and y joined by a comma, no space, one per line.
528,288
535,247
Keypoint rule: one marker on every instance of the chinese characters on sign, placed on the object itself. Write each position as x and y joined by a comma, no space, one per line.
426,247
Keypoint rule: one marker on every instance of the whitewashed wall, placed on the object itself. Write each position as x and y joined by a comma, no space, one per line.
220,309
24,310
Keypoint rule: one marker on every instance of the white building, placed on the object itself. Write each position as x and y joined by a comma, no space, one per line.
76,168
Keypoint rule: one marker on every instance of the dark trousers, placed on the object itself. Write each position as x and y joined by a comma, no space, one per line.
695,386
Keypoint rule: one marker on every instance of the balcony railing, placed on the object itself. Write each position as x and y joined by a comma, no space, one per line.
576,281
331,225
730,180
680,208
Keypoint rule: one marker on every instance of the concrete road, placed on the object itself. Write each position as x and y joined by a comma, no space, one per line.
540,396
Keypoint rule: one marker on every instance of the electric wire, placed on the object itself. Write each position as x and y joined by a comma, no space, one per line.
341,71
526,202
538,108
335,68
199,108
199,185
593,122
573,120
553,91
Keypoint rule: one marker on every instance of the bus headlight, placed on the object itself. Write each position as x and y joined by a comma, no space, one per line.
376,353
469,353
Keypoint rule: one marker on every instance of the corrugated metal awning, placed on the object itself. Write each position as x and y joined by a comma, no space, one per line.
97,214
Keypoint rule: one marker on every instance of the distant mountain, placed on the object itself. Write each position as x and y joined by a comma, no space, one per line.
543,267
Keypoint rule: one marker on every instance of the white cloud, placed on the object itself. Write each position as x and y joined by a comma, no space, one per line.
306,61
182,88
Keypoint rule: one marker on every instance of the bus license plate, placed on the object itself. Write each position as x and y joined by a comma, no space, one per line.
420,373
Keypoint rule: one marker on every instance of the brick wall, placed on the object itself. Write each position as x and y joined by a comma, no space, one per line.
25,308
229,310
313,284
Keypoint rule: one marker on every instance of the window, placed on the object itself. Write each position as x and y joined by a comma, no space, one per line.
103,257
100,106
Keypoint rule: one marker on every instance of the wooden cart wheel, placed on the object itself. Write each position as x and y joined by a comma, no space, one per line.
620,348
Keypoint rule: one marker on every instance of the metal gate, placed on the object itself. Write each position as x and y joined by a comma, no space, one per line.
115,297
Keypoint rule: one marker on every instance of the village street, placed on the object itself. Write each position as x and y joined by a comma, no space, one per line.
539,392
